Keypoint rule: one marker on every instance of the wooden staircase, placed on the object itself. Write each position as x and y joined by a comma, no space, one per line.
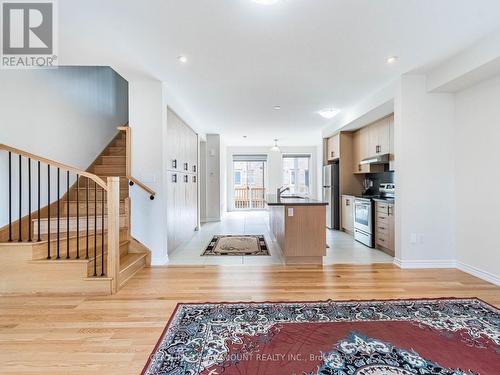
70,237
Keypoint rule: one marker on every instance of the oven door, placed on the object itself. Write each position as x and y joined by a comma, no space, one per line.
363,215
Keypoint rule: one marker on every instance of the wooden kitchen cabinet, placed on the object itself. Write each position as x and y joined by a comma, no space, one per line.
333,147
372,140
347,214
384,227
380,137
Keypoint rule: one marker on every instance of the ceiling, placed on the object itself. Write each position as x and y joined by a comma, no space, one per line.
245,58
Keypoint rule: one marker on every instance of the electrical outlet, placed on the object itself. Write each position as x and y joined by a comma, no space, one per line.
413,238
290,211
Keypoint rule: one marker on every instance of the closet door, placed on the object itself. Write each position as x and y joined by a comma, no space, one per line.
193,201
172,209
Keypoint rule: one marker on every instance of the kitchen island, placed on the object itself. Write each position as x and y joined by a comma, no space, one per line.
298,224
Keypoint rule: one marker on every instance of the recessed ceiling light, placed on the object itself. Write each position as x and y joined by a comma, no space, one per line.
392,59
183,59
265,2
328,113
277,107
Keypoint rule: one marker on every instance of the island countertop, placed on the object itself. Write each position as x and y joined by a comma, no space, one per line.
272,200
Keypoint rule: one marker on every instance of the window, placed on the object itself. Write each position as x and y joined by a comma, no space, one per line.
237,177
296,173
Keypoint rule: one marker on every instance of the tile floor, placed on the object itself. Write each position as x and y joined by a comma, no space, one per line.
343,249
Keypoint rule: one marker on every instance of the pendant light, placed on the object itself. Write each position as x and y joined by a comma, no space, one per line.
275,148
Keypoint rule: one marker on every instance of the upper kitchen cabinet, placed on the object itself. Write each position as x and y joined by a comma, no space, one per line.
380,137
333,147
372,140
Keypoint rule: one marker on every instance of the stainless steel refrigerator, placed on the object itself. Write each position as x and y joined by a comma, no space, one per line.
331,195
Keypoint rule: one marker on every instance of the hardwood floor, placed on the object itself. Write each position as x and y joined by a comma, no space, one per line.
115,334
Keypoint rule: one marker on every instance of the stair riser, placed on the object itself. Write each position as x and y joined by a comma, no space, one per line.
63,227
108,160
83,208
74,192
90,264
123,183
110,170
115,151
40,249
120,142
125,275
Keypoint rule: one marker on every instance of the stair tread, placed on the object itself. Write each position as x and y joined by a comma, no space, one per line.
129,259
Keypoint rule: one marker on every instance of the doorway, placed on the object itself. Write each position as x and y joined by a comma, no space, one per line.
249,189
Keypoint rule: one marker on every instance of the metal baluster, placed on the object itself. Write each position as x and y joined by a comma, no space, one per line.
20,239
67,215
29,199
95,228
58,211
102,233
78,217
87,207
10,196
39,238
48,215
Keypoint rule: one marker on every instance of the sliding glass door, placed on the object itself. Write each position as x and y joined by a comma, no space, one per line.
248,182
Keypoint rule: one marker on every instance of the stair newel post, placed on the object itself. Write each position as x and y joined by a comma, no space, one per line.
113,219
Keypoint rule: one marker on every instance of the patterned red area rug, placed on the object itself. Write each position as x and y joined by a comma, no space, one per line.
398,337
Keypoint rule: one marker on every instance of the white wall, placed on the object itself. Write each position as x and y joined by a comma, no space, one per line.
148,123
274,167
223,178
424,175
67,114
477,133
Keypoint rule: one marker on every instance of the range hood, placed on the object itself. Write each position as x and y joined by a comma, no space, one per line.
378,159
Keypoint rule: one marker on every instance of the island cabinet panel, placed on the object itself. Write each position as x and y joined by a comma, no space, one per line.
300,232
277,223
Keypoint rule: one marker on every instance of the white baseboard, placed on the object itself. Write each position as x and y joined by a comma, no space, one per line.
211,220
484,275
159,261
443,263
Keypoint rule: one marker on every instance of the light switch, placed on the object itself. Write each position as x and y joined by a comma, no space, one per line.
290,211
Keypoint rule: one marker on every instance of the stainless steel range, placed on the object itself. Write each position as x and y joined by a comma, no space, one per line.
364,213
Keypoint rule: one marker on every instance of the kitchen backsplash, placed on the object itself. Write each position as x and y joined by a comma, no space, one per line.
379,178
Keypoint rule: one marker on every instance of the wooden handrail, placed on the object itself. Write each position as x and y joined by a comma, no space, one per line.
99,181
133,180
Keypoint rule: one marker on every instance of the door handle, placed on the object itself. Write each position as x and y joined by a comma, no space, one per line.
186,166
174,178
174,163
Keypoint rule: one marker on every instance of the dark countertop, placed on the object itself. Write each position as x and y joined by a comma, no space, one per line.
385,200
377,198
272,200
